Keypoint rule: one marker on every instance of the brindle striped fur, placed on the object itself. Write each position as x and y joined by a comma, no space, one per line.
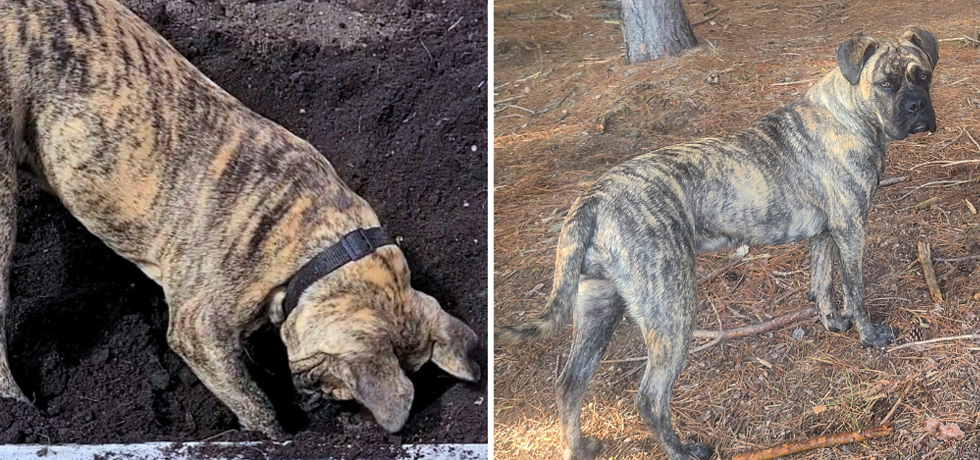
805,171
217,204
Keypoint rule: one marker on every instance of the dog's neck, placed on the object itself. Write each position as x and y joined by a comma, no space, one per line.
847,110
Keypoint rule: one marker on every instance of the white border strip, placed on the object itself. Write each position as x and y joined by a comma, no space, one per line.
188,451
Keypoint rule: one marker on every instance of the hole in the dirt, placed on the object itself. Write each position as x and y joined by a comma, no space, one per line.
268,364
430,383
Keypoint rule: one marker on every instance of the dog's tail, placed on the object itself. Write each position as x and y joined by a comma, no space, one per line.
576,237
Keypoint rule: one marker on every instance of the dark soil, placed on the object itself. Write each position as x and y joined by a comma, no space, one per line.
394,94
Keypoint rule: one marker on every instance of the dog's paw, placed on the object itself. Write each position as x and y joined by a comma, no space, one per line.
879,336
9,388
834,322
700,451
588,449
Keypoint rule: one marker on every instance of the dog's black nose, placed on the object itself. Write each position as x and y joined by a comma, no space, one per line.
915,104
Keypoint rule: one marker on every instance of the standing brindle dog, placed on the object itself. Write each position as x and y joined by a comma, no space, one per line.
240,221
807,170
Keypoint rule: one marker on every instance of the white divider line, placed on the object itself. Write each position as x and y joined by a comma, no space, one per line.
192,451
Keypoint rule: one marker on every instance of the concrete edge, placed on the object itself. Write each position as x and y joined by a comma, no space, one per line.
191,451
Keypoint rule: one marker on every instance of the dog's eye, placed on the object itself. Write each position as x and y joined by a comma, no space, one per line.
885,84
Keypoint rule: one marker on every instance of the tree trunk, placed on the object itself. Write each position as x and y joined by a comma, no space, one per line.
653,28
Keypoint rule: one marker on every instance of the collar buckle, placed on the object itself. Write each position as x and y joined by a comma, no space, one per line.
357,244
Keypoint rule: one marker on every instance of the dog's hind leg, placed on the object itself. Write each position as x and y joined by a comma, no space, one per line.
598,308
823,251
8,224
663,303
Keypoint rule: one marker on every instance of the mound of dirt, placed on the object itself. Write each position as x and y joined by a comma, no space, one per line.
394,94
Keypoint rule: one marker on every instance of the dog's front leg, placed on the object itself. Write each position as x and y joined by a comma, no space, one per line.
850,247
8,222
823,251
212,348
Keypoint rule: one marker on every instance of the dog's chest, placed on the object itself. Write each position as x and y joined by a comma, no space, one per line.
759,227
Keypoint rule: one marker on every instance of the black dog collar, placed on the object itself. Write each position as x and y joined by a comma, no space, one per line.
351,247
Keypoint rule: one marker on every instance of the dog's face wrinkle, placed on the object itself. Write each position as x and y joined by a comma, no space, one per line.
317,377
413,358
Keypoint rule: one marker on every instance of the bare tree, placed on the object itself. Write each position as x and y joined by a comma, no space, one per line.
655,28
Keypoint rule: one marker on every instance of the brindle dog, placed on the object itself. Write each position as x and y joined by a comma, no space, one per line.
807,170
218,205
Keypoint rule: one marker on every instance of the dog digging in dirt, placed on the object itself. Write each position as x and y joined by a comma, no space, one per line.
807,170
241,222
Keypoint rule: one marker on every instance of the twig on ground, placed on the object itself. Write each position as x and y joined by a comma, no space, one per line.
787,83
972,139
212,438
427,50
456,23
958,259
926,203
949,143
605,16
759,328
723,334
935,340
528,17
893,181
503,101
925,260
512,106
946,164
564,16
720,337
942,183
965,37
818,442
901,396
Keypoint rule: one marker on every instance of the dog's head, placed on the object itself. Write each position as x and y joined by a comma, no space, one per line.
357,332
892,79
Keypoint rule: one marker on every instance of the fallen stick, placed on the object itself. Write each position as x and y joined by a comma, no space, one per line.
722,334
759,328
893,181
945,163
787,83
935,340
926,203
819,442
958,259
925,260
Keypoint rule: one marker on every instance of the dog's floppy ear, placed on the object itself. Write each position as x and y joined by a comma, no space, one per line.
926,41
852,55
378,382
453,340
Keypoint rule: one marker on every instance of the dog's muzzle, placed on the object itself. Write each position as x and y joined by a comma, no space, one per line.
918,108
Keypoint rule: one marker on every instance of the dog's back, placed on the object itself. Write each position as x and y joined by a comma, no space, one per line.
152,156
